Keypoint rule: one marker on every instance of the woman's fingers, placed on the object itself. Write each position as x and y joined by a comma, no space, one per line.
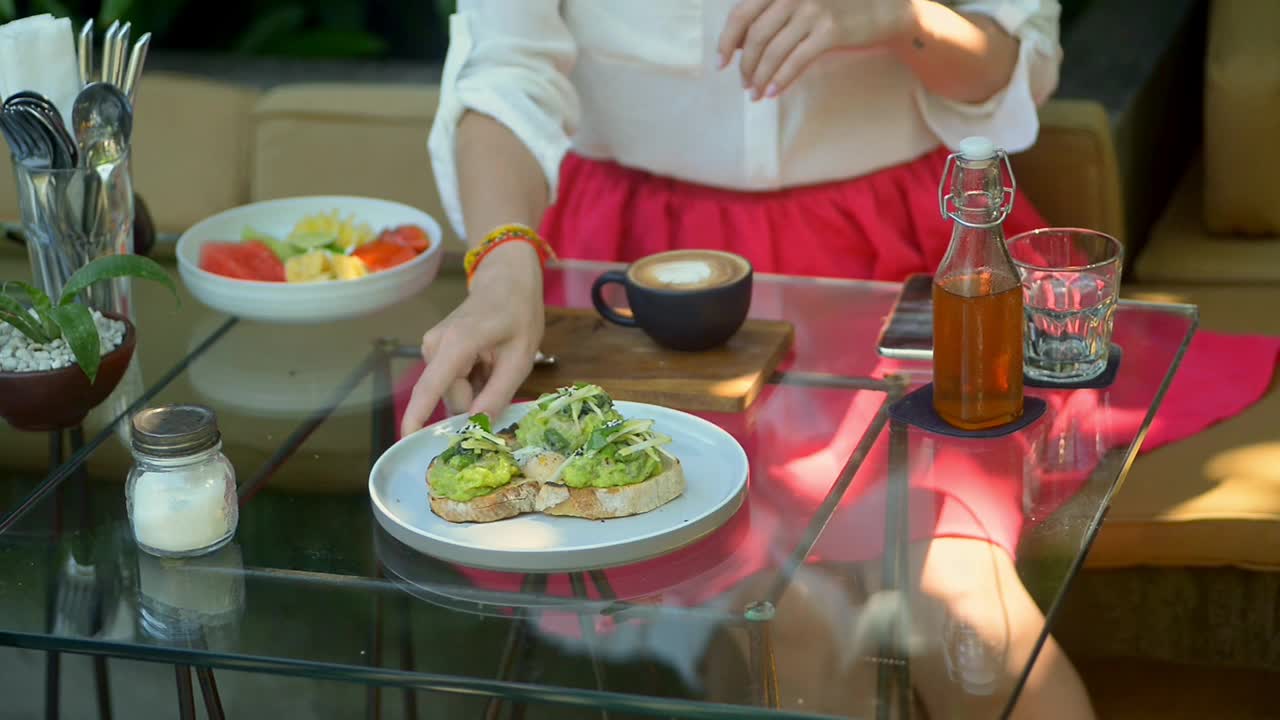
736,26
510,368
795,63
782,45
459,396
448,365
765,28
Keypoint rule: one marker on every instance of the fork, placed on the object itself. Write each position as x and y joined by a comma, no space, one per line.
36,150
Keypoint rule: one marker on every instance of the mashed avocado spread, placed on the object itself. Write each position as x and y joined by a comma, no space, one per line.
476,463
563,421
617,453
601,471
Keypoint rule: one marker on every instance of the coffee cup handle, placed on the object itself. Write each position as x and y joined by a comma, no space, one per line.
602,307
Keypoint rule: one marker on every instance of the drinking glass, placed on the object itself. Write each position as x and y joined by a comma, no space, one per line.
1070,283
73,216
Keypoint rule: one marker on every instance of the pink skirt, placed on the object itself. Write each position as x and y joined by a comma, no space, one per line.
882,226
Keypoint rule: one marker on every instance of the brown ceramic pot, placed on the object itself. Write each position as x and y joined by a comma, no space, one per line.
60,399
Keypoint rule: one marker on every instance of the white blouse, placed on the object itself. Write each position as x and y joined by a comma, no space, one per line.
635,81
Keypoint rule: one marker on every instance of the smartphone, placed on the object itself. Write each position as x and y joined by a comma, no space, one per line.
908,335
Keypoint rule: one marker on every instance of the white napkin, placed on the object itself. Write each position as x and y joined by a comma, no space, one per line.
39,53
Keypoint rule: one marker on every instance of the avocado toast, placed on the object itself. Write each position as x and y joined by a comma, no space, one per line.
477,479
573,454
590,461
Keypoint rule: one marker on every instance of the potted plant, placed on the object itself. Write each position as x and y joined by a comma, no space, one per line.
60,360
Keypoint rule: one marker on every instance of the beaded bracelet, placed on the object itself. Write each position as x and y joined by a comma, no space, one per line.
502,235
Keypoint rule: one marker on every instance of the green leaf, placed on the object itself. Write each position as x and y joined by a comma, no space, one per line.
113,10
25,325
81,335
39,302
598,440
335,14
53,7
12,312
7,10
481,421
269,27
116,266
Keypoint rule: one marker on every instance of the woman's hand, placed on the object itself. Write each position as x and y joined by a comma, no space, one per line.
779,38
478,355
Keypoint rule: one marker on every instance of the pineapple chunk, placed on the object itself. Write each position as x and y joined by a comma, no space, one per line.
348,267
319,265
309,267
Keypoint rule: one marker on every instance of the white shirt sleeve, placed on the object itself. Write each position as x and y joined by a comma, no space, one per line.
1009,118
510,61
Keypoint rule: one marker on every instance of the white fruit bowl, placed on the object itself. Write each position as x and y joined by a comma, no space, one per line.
302,303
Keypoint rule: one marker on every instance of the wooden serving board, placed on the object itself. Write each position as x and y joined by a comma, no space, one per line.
631,366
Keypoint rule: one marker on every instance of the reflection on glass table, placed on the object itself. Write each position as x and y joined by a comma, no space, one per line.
859,578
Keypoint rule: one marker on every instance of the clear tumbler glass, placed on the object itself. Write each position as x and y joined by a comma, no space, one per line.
1070,284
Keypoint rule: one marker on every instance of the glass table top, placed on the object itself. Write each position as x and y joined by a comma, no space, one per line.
874,570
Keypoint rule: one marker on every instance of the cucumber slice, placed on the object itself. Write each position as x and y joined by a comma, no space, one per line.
249,233
311,240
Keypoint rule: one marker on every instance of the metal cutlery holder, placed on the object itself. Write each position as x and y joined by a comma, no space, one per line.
73,216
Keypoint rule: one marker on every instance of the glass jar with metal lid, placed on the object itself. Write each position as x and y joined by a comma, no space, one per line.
181,492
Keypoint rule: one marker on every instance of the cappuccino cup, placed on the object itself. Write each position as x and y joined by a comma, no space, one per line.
684,299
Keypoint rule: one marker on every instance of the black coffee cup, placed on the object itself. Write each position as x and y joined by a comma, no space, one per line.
684,299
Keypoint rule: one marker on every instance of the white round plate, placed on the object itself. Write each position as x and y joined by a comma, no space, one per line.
715,470
318,302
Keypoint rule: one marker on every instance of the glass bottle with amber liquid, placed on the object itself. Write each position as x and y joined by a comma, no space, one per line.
977,295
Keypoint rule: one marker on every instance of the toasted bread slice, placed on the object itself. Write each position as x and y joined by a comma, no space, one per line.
613,502
510,500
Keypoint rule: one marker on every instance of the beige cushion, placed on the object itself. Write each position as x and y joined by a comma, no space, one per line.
347,140
1213,498
191,148
1242,118
1070,174
1181,250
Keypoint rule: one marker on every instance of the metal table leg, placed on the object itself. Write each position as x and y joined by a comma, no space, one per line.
511,662
101,680
209,693
578,582
186,698
53,661
406,656
893,676
762,661
102,684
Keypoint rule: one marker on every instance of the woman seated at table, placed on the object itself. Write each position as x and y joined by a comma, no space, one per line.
806,135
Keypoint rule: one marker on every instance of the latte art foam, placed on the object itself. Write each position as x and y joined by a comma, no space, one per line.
688,270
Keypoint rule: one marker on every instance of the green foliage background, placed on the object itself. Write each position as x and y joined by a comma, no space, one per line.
409,29
336,29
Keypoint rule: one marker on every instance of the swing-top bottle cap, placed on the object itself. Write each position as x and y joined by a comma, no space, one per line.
977,148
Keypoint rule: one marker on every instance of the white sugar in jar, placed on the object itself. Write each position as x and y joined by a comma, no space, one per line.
181,492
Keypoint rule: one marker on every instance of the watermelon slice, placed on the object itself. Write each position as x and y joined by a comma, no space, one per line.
383,254
242,261
410,236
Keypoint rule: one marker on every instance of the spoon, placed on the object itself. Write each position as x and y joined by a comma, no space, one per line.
103,123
